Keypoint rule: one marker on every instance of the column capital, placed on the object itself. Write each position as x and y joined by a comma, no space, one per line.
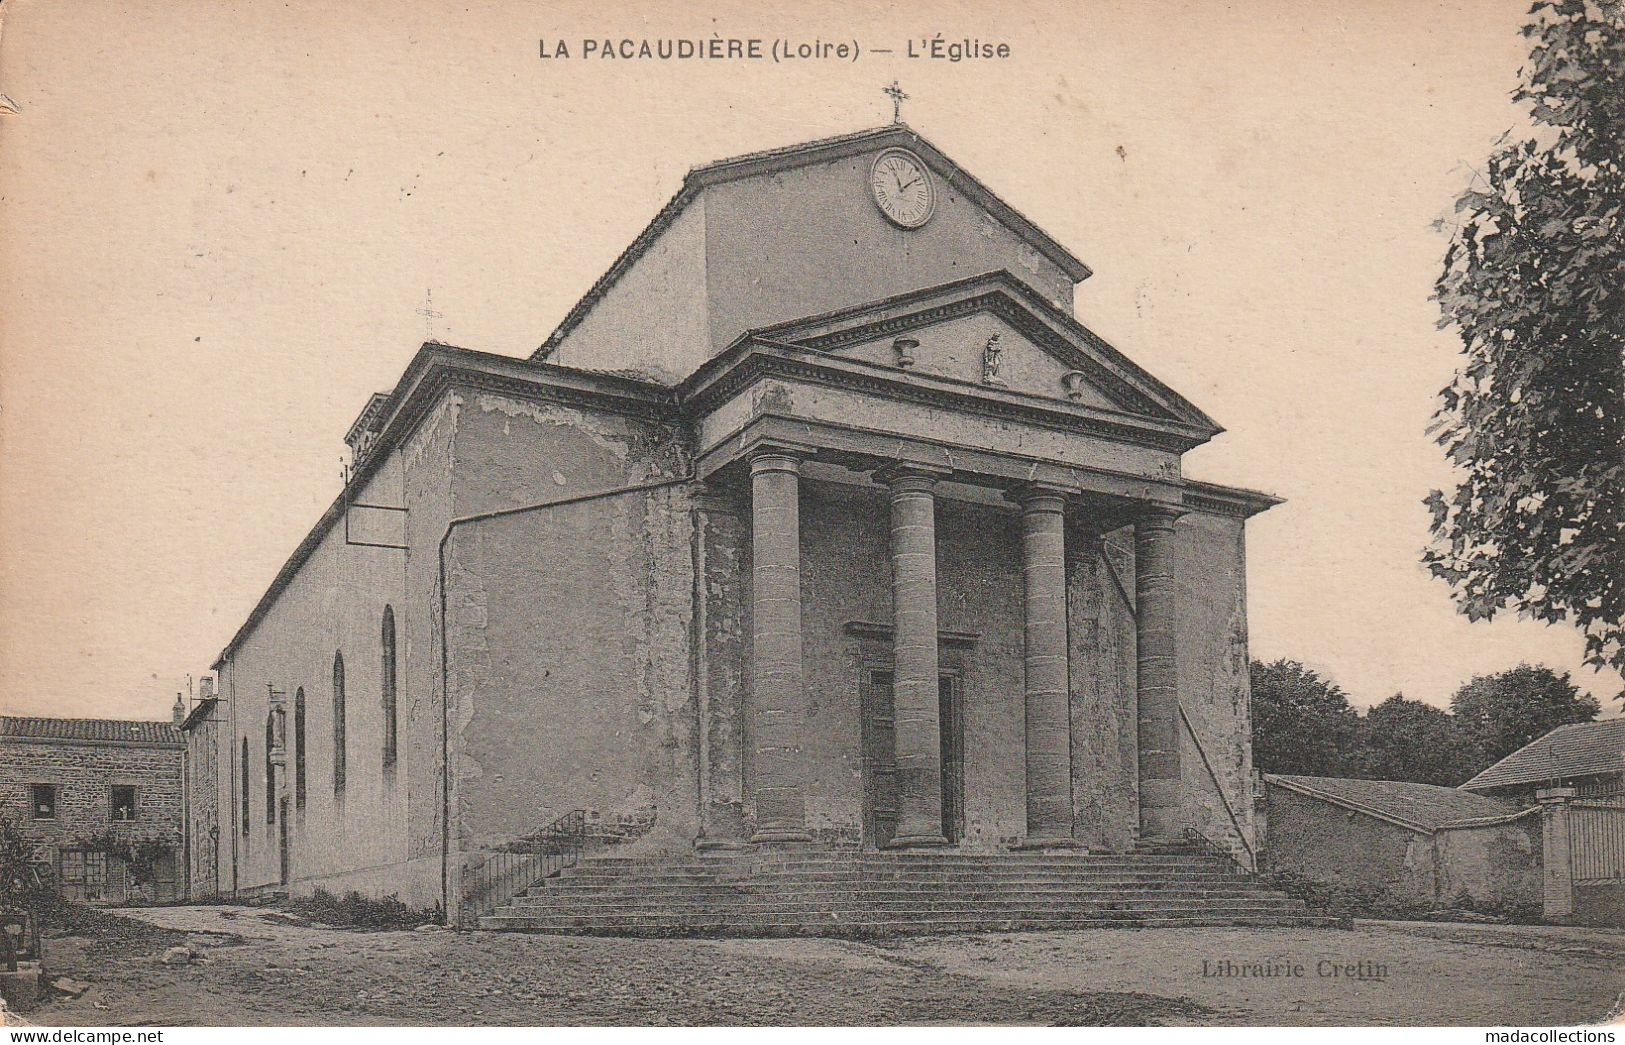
1040,497
777,457
1156,516
910,475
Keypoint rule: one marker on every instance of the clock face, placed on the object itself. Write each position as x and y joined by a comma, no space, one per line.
902,188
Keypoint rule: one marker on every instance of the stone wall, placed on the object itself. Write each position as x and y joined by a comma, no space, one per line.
84,774
381,832
205,832
567,626
1328,843
1492,863
1215,691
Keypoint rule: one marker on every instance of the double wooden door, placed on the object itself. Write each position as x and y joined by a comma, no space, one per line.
880,756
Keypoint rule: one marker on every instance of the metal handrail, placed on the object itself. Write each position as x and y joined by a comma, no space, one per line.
511,868
1212,848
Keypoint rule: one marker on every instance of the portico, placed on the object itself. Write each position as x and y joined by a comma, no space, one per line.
783,410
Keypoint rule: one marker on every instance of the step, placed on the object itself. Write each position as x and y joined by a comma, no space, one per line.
828,898
816,912
866,927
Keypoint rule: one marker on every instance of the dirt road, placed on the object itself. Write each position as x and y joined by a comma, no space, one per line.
255,968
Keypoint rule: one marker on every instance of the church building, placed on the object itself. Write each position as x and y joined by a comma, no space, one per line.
819,529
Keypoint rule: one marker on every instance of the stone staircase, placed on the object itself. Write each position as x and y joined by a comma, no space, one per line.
832,892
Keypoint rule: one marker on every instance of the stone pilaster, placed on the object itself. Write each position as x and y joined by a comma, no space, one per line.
1162,817
1049,726
1557,864
719,666
778,691
915,664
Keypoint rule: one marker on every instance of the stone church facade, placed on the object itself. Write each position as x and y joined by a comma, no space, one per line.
821,521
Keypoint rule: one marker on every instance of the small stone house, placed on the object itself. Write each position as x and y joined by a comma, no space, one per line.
81,789
1407,841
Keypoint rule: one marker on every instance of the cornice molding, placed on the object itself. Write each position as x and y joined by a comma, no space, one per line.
906,386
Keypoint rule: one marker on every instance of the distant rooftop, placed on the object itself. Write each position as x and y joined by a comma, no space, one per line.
1575,750
98,730
1425,807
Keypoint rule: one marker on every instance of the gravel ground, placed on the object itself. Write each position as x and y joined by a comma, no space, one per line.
256,967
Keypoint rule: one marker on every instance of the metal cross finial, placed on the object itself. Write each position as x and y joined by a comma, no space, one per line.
897,99
429,314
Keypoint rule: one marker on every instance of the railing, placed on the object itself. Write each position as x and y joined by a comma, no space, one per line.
1214,849
513,867
1597,841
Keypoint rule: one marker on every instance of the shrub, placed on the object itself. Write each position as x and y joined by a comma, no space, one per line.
353,910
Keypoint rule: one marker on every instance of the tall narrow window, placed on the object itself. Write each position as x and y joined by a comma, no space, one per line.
299,747
387,673
338,723
270,768
243,813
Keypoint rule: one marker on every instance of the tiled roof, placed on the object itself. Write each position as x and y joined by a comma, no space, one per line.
1578,749
102,730
1425,807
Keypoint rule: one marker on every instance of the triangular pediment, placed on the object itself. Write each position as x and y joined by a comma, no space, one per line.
994,332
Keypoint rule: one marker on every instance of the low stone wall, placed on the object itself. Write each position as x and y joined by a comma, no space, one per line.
1601,904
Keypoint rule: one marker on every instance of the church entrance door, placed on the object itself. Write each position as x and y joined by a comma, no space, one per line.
880,757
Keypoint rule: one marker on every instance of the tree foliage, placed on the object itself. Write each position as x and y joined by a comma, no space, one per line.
1534,283
1302,723
1503,712
1404,739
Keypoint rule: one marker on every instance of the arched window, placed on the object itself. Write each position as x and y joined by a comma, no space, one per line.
270,768
243,817
299,747
338,723
387,673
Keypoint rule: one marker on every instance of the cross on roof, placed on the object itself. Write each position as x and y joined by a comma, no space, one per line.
429,314
897,99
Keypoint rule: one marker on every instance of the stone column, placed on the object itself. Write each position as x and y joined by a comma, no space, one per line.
918,731
1049,721
1557,864
778,692
1162,816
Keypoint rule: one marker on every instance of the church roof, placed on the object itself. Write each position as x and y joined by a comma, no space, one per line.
92,730
1575,750
1420,807
772,161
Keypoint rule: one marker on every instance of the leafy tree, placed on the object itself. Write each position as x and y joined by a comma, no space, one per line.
1534,283
1302,723
1409,740
1503,712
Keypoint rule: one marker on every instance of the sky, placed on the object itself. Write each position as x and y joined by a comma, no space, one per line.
219,225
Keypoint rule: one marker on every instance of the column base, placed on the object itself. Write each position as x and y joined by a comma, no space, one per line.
713,844
769,837
914,841
1055,842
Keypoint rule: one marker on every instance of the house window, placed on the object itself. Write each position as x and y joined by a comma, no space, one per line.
123,803
42,801
270,768
243,813
387,673
299,747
